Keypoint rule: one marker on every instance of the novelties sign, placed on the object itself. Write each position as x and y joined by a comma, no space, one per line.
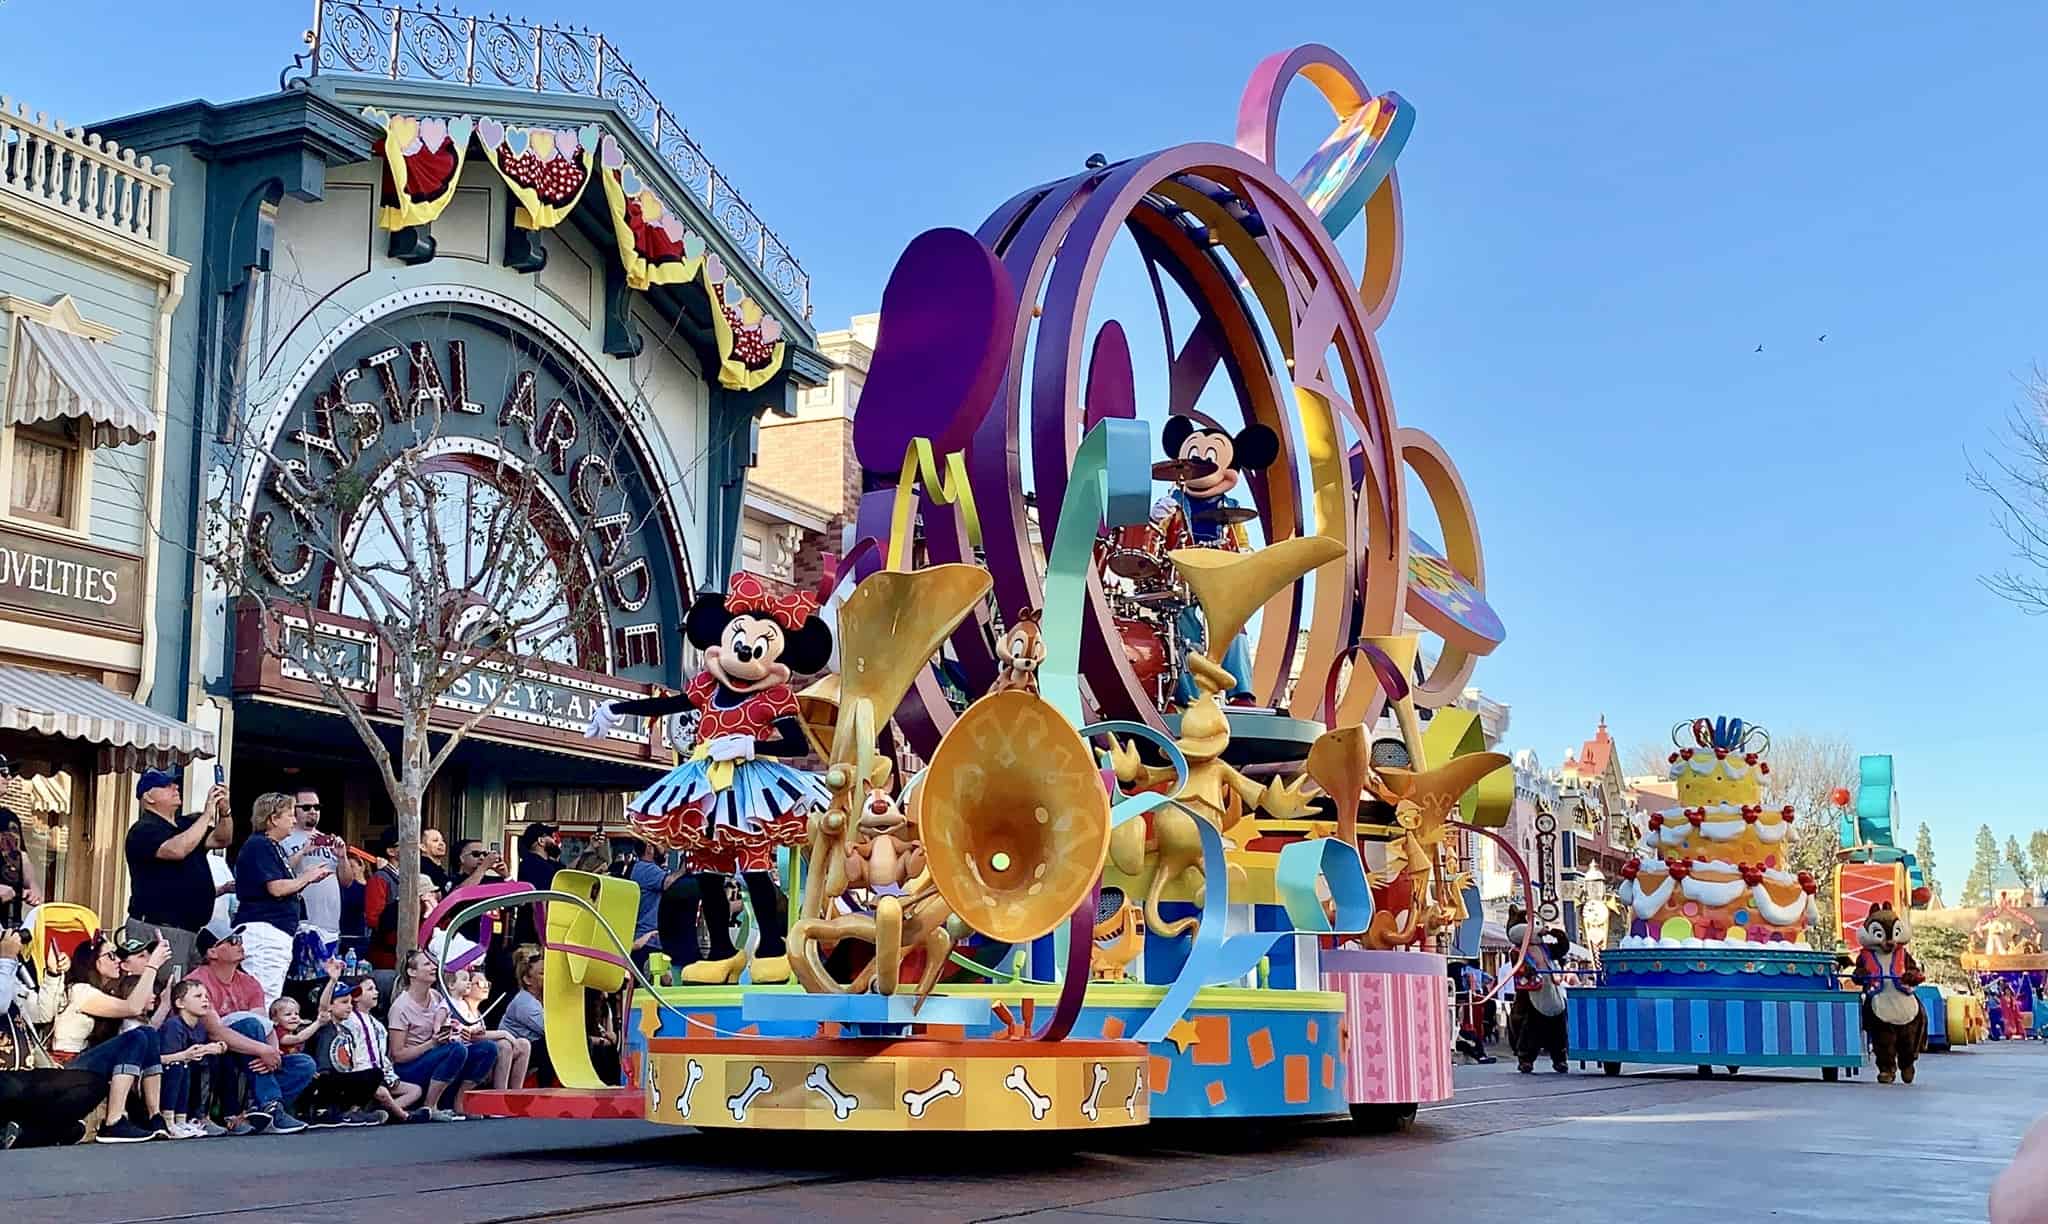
75,581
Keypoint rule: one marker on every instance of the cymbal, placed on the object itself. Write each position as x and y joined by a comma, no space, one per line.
1227,515
1167,598
1178,470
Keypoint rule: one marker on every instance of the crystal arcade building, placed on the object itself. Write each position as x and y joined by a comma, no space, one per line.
496,227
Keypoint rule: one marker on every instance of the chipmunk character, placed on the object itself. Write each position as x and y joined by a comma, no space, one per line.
886,856
1888,974
1021,649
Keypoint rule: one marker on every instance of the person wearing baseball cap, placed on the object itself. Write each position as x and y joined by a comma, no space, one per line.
540,857
170,886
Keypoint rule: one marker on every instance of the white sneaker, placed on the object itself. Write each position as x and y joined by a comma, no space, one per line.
186,1130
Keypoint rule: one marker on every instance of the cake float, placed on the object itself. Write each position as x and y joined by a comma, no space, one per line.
1714,872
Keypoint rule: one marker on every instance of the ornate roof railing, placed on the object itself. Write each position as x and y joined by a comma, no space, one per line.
403,42
82,176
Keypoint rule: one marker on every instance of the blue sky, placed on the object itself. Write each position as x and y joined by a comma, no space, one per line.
1607,211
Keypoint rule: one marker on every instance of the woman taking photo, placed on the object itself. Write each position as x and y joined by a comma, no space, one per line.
429,1047
87,1035
267,893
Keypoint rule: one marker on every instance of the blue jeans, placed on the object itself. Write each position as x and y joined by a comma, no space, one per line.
280,1087
456,1063
135,1052
184,1088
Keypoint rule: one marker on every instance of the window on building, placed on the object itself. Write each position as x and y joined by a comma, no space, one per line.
43,473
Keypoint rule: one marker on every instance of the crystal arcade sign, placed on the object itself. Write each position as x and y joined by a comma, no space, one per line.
482,396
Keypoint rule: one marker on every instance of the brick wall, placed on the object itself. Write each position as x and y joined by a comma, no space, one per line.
812,461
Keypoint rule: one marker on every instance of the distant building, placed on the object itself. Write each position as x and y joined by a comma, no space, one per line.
806,467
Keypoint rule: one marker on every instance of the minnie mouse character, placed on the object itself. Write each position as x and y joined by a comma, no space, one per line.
728,806
1201,510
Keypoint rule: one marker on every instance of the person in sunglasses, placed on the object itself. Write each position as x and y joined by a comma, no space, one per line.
100,1031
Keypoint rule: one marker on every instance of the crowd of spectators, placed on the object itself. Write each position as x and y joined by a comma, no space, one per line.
266,996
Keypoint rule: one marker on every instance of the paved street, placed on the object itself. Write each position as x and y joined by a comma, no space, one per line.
1561,1148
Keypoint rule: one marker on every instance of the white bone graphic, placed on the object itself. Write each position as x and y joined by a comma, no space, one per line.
1020,1084
820,1081
739,1105
947,1085
1088,1107
1137,1090
696,1073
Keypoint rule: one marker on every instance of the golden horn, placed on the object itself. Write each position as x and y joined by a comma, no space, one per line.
1437,791
1231,586
1338,761
1014,817
892,625
1402,649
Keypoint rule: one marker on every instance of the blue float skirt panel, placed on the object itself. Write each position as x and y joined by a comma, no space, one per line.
1760,1007
1743,1028
1936,1009
1238,1053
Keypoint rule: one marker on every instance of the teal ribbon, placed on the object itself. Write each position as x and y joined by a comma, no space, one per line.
1108,479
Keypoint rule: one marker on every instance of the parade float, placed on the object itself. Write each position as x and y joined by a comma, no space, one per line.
1870,869
1164,866
2006,957
1716,969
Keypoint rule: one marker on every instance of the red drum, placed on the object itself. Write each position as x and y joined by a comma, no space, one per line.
1136,552
1145,647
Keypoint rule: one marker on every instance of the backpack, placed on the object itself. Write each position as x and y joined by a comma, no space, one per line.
387,921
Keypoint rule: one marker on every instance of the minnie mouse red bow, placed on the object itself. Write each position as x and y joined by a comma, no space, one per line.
748,594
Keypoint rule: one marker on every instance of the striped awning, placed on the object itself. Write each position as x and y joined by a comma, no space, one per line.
64,377
133,736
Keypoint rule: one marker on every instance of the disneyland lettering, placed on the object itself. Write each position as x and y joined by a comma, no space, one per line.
404,382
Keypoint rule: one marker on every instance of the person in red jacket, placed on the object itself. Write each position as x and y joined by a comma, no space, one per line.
380,903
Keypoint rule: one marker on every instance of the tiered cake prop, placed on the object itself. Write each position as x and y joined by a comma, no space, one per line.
1713,871
1716,969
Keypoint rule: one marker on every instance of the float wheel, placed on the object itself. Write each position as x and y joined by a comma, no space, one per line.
1706,1073
1830,1074
1735,1070
1378,1119
1611,1068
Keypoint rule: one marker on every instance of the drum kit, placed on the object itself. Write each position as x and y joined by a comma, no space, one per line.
1149,596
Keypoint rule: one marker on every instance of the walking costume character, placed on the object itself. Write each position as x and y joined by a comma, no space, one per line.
1888,974
729,805
1537,1022
1199,504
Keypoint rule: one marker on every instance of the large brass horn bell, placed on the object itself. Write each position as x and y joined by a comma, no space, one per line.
1014,817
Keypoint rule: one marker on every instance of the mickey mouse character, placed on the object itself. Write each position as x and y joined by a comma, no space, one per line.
729,805
1197,511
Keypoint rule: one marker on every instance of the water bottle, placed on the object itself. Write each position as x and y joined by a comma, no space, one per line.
348,963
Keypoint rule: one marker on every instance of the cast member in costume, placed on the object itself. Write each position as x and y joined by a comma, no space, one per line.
728,806
1537,1023
1201,512
1888,974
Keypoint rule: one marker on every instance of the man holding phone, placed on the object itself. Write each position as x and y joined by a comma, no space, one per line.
307,848
170,887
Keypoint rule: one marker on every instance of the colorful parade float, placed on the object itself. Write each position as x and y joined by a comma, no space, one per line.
2006,957
1716,969
1162,864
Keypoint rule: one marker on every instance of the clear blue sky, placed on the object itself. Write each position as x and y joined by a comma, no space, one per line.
1607,210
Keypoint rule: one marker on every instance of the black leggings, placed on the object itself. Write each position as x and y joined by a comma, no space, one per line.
676,918
49,1105
343,1089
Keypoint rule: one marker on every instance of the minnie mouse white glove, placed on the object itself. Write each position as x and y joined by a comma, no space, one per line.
602,720
732,748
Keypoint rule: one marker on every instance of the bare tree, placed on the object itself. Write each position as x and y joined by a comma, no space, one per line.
454,576
1648,760
1805,768
2016,478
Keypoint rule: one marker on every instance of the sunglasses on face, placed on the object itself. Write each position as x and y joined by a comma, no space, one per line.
309,807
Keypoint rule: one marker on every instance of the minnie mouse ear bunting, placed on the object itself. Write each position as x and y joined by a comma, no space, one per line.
547,171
